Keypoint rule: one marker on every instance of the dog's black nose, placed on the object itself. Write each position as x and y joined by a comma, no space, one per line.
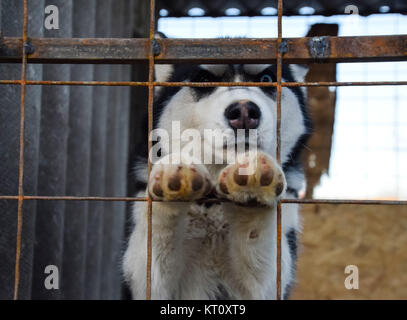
243,114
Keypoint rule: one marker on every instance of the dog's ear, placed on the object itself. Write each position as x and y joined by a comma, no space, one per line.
160,35
299,72
162,71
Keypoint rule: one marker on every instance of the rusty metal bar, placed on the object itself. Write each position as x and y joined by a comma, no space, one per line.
73,198
345,201
150,128
21,156
203,84
281,50
139,199
126,51
344,84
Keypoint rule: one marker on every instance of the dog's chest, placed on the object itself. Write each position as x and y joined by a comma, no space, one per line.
207,224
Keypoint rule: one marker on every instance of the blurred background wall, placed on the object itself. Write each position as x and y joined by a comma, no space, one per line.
76,143
373,238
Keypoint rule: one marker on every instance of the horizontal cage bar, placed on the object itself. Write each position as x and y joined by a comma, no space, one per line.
204,84
125,199
126,51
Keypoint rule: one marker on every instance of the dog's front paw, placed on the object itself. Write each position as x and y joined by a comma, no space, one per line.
179,182
254,180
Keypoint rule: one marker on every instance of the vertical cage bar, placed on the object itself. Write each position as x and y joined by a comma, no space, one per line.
150,128
278,151
21,157
31,150
11,24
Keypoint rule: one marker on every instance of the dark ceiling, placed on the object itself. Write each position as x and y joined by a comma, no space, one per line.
217,8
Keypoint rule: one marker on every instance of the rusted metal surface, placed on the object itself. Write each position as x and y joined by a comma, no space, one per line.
203,84
319,47
125,51
343,84
345,201
21,156
281,50
208,200
151,54
71,50
346,49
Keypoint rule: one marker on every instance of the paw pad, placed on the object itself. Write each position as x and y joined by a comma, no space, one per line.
263,182
240,179
181,182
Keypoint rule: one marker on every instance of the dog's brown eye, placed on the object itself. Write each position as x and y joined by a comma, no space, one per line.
266,78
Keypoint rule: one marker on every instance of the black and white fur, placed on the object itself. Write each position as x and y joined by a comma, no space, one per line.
205,251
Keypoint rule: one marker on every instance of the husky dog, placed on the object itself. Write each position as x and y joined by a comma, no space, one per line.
223,249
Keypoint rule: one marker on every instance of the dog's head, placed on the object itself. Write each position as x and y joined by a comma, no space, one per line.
232,108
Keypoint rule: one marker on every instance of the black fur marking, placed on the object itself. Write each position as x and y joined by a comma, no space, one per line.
137,183
292,191
294,160
292,243
287,291
166,93
202,75
187,72
271,72
291,237
140,185
222,293
126,292
208,204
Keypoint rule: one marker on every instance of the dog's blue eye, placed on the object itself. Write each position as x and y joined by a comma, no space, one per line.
266,78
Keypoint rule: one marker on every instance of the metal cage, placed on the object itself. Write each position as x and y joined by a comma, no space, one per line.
26,50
